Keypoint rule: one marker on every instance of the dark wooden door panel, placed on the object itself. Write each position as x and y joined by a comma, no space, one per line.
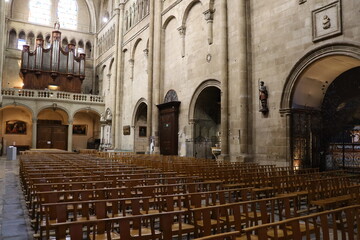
52,136
169,127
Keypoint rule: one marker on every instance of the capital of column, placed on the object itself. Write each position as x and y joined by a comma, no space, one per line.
131,62
182,30
209,15
34,120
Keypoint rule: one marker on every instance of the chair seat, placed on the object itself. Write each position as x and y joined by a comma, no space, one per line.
231,218
103,236
144,232
201,222
244,237
280,233
184,227
150,211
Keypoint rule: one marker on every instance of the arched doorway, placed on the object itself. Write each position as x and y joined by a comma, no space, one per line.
322,105
207,121
52,128
86,130
140,131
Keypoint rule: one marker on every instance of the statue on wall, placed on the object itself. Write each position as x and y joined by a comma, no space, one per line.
263,96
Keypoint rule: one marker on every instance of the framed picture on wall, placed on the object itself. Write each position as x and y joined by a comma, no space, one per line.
15,127
79,129
142,131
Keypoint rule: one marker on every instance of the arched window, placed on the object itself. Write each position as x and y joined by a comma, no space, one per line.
67,13
21,40
12,39
88,50
39,11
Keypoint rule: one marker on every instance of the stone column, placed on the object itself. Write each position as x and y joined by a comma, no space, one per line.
243,84
70,135
34,133
116,60
209,17
158,31
182,32
118,78
287,113
150,66
2,39
224,81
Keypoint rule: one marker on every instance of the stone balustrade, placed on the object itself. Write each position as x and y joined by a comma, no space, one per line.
53,95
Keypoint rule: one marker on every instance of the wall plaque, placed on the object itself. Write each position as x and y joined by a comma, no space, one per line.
326,21
126,130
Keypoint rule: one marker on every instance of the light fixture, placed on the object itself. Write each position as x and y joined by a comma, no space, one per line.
105,19
53,87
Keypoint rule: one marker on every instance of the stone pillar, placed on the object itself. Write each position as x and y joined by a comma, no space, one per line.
182,32
150,66
158,32
224,81
118,77
287,113
209,17
70,135
34,133
2,40
243,84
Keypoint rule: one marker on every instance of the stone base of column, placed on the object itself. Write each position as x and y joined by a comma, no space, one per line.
244,158
223,157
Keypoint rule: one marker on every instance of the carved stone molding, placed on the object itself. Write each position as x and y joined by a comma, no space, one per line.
326,21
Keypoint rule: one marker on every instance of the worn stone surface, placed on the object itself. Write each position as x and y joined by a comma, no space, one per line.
14,220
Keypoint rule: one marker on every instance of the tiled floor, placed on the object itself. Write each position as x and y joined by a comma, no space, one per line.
14,221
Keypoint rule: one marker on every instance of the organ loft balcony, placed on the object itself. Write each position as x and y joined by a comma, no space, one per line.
51,75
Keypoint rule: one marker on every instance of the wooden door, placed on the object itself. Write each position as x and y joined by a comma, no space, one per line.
52,136
169,127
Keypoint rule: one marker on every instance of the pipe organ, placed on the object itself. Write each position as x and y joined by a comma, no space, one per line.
53,68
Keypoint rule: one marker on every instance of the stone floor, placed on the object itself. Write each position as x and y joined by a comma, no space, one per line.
14,220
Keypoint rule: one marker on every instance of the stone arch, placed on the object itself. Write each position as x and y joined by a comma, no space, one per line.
88,49
14,104
85,109
305,101
40,35
188,9
12,39
139,124
199,89
167,20
30,39
55,106
134,48
347,50
136,108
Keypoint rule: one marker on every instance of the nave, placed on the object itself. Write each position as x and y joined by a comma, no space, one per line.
128,196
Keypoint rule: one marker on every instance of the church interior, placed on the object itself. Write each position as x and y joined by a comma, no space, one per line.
179,119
